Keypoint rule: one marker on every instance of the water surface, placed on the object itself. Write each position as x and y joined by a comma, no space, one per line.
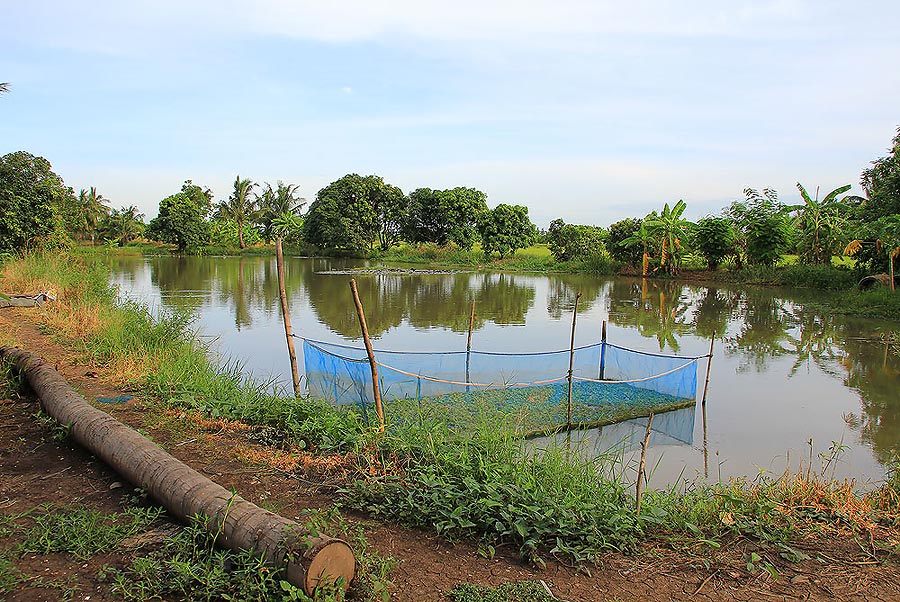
783,374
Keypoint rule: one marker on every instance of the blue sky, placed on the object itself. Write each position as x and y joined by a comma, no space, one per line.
590,111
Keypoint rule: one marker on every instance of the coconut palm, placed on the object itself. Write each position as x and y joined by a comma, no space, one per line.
240,206
125,224
92,206
274,204
4,87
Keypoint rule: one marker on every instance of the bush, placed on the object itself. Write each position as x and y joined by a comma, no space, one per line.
714,239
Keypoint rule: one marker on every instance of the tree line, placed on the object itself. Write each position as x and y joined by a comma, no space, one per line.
359,215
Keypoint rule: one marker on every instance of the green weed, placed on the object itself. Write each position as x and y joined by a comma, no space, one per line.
517,591
190,567
84,532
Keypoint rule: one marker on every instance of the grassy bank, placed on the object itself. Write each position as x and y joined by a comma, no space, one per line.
489,486
536,258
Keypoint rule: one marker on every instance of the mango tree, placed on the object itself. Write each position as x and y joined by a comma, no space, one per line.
505,229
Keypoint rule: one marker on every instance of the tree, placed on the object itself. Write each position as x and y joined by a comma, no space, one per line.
505,229
354,213
240,206
30,197
444,216
886,234
182,218
275,203
762,226
92,210
618,233
641,240
882,184
124,225
670,230
572,241
820,223
4,87
714,239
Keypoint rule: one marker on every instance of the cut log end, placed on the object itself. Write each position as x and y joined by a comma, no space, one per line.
331,561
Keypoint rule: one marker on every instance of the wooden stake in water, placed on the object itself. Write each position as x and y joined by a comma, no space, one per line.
712,342
288,331
376,390
639,486
572,359
705,444
469,341
602,351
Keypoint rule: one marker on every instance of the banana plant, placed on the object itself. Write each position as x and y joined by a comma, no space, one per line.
669,229
819,222
887,240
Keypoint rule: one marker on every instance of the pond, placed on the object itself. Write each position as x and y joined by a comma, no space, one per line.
787,382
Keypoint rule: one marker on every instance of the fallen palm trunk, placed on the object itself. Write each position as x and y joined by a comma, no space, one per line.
239,525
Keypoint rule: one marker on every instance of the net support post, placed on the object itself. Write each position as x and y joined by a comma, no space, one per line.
712,342
469,344
285,314
639,486
572,361
602,374
376,390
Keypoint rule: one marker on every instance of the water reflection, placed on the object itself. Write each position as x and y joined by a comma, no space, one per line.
788,372
657,309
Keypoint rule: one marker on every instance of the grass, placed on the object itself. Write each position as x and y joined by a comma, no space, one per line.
536,258
490,487
879,303
82,531
517,591
190,567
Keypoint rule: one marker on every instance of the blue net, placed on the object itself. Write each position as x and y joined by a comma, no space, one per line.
609,383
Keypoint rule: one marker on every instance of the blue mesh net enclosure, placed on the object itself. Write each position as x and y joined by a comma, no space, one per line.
609,383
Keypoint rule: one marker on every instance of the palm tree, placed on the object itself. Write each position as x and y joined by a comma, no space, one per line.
819,221
93,210
275,203
669,228
126,224
240,206
4,87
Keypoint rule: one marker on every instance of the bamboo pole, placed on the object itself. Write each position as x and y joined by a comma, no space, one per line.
285,314
891,258
712,342
469,341
602,351
639,486
376,390
705,444
572,360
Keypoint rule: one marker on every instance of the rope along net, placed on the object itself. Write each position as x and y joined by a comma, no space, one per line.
610,383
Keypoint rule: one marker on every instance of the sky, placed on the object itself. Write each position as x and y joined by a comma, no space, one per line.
591,111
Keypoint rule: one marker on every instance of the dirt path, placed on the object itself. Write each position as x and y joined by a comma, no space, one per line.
35,469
